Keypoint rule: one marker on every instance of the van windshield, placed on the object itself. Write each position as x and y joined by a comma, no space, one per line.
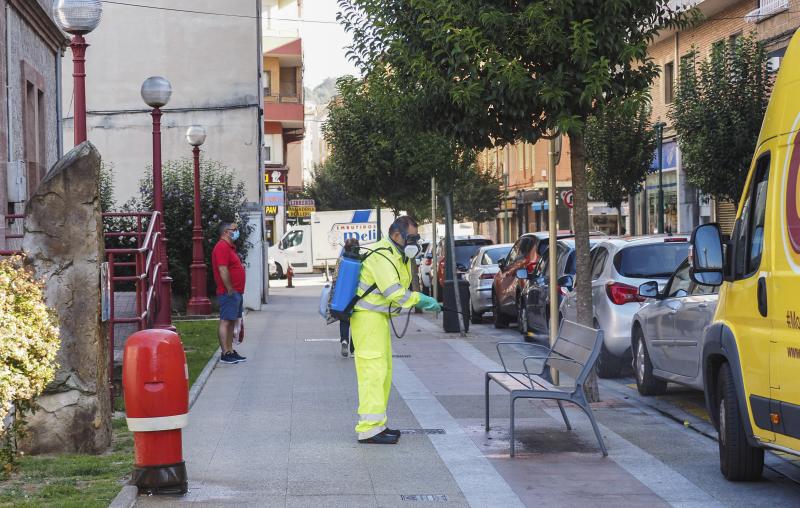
653,261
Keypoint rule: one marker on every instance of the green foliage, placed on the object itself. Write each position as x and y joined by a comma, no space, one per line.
221,198
330,191
380,152
620,143
719,105
493,71
29,342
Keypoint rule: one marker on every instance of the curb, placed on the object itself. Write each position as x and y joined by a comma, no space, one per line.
129,493
126,497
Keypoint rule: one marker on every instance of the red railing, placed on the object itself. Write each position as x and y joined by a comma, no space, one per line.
139,266
11,236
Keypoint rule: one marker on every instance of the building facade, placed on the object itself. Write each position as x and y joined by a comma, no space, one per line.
30,103
210,51
771,21
284,113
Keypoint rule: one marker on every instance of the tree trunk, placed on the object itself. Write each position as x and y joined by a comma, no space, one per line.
583,279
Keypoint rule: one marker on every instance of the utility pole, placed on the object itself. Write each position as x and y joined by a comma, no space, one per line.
552,227
435,241
506,227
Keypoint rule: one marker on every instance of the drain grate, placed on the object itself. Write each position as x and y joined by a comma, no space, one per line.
321,340
429,498
422,431
401,356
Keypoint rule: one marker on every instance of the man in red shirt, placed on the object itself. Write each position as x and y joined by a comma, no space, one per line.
229,277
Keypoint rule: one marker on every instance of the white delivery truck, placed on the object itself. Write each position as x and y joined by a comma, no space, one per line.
309,248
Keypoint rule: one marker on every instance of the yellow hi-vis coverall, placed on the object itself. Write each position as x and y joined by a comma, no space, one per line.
371,335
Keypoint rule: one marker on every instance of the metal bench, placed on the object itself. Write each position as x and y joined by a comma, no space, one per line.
574,353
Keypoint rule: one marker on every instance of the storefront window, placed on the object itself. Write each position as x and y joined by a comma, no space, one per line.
670,186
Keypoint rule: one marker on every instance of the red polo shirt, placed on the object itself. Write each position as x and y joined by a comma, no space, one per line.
224,254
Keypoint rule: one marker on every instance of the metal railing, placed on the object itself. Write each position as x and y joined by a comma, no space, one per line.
139,266
11,236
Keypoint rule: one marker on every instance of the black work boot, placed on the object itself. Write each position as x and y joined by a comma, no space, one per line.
382,438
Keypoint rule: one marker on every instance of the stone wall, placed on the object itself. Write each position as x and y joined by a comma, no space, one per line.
63,242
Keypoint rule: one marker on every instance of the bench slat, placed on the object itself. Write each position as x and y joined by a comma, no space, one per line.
568,349
569,368
578,334
510,382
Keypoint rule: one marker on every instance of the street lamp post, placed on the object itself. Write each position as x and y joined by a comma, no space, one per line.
156,92
78,17
199,304
659,127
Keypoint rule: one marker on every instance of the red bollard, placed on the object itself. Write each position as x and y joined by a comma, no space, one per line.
156,386
289,275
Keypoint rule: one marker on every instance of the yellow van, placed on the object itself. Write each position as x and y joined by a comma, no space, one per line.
751,358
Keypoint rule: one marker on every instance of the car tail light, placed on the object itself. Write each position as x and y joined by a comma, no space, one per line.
620,294
675,239
487,276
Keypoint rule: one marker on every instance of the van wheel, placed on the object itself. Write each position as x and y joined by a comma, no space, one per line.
475,317
500,321
279,271
646,383
737,459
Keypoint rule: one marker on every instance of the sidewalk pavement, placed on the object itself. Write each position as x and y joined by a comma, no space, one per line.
277,430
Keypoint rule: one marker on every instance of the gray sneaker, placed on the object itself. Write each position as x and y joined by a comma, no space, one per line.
345,348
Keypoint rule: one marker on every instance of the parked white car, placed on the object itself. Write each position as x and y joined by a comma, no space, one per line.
425,269
480,276
619,267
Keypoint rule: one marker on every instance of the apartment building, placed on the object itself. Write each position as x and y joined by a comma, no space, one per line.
30,103
284,112
771,21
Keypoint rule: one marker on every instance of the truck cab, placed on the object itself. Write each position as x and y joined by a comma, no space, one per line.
751,357
294,249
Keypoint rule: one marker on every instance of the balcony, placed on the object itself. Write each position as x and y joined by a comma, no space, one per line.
286,109
766,9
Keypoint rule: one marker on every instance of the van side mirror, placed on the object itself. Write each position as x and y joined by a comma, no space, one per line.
522,274
649,289
706,256
566,281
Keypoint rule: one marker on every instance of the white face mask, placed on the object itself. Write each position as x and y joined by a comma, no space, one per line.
411,251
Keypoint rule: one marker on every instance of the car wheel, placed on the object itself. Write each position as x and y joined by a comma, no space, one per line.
475,317
737,459
500,321
278,271
608,365
522,317
646,383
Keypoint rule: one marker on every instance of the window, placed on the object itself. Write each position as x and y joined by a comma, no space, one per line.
267,83
492,256
669,82
525,245
599,257
750,229
544,263
288,81
512,254
680,283
651,261
33,126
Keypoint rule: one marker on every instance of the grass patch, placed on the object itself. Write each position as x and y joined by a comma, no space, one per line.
200,342
88,481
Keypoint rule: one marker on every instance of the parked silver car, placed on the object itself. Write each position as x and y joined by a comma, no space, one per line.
480,276
618,267
668,332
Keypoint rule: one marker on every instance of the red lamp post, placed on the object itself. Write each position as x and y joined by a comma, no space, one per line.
156,92
199,304
78,17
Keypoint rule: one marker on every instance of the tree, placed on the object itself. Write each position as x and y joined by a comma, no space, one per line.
330,191
718,108
620,142
491,72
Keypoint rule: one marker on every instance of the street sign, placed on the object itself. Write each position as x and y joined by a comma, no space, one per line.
271,210
568,197
273,198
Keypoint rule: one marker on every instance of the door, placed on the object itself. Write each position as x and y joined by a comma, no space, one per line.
297,249
746,303
690,326
507,286
537,295
784,305
662,322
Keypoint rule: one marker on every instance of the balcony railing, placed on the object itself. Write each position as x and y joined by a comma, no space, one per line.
283,99
766,9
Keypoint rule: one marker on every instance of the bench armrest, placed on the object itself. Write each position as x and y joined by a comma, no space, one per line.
517,345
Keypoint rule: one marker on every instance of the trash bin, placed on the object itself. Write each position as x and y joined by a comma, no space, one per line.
450,320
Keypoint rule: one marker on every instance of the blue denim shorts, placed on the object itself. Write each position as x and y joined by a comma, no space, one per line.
230,306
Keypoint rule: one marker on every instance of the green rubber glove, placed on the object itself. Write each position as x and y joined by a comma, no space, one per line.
428,303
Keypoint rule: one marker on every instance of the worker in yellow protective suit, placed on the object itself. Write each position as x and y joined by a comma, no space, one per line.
383,291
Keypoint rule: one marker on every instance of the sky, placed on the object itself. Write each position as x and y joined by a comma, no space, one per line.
323,43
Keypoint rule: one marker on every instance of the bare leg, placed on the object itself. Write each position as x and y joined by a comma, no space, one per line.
225,334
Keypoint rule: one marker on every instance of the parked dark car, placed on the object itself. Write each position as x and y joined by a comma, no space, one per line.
534,308
507,288
466,248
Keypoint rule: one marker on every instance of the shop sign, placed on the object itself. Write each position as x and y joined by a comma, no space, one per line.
271,210
300,211
275,177
302,202
273,198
